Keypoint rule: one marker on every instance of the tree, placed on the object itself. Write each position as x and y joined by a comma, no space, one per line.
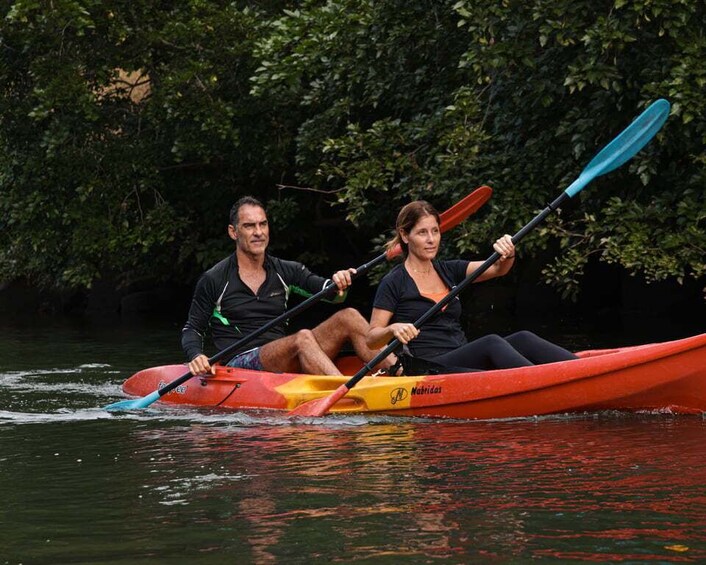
128,128
126,132
516,94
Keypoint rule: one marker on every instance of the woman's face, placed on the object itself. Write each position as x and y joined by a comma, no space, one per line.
424,238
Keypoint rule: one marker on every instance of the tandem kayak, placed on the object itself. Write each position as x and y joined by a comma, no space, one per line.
668,376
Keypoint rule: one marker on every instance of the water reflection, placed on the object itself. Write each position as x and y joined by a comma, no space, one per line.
604,489
176,485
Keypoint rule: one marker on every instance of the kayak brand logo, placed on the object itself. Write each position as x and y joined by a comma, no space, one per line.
417,390
181,389
398,395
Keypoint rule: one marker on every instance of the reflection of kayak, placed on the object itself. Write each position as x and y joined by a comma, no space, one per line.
660,376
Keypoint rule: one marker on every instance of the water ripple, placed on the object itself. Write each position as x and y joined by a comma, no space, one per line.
602,487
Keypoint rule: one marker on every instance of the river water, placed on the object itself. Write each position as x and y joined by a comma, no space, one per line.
174,485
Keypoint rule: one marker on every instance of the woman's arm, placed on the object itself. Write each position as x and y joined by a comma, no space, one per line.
381,331
506,249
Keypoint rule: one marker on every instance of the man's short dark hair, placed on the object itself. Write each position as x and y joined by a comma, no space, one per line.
244,201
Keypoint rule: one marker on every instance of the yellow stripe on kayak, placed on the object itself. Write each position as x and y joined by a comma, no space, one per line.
371,394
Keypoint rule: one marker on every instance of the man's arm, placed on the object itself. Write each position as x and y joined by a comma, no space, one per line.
305,283
194,331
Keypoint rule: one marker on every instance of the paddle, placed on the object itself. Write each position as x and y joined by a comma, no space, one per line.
615,154
449,219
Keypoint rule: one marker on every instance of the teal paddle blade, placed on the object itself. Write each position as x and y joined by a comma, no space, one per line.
134,404
625,146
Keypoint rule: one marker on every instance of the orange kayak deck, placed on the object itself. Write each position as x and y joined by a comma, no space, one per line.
669,376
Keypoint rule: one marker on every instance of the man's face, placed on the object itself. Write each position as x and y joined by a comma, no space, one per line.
252,234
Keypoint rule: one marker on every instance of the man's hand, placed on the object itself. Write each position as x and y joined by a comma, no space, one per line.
200,366
343,279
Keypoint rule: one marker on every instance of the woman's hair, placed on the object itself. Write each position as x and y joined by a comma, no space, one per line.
406,220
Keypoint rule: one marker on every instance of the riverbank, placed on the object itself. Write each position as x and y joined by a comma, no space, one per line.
621,308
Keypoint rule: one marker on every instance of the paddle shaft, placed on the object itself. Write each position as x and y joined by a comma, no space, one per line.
620,150
489,262
328,290
617,152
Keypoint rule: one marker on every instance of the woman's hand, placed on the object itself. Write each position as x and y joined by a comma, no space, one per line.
403,332
505,247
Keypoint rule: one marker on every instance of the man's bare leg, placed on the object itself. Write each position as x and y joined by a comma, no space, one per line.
299,352
347,325
312,351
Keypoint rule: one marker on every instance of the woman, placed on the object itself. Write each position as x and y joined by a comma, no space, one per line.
410,289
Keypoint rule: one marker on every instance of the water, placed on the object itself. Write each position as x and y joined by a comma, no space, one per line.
174,485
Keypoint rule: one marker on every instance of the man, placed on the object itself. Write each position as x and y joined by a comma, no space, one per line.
248,289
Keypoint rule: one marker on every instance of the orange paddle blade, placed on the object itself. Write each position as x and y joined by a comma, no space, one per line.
320,406
457,213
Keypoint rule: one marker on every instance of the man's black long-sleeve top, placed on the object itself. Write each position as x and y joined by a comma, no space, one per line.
230,309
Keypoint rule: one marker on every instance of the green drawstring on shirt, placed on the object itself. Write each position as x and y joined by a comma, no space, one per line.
216,314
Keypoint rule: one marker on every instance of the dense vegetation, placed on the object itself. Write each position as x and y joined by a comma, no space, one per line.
128,127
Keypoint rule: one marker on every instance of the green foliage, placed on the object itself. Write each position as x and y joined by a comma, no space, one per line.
527,93
128,128
126,131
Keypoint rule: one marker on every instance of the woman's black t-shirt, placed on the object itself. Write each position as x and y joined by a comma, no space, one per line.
398,293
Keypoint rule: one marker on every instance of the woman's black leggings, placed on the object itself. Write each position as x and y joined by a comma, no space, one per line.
520,349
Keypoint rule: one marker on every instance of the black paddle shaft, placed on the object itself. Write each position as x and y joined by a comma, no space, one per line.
395,343
328,290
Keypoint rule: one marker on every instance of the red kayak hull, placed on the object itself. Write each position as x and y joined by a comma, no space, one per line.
669,376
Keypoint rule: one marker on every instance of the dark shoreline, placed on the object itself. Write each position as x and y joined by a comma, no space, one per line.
612,310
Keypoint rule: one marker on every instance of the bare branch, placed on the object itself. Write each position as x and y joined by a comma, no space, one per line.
307,189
